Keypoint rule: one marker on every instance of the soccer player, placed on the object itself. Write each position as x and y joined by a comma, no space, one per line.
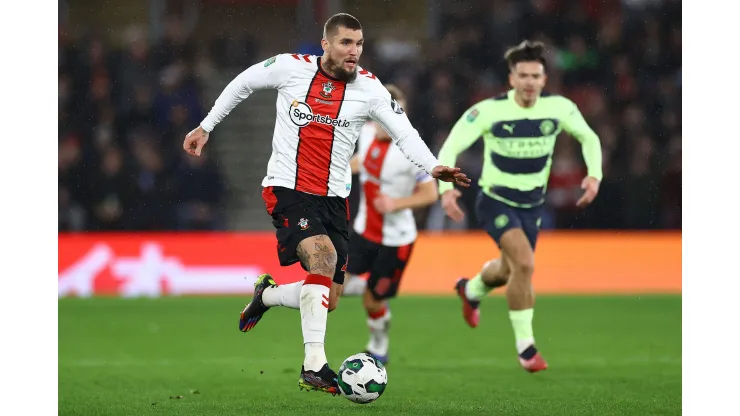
519,130
322,104
385,230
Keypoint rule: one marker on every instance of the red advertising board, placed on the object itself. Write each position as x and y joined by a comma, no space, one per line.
228,263
167,264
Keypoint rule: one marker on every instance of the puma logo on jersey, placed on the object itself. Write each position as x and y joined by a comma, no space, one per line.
509,128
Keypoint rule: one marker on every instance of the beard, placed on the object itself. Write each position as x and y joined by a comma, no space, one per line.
336,69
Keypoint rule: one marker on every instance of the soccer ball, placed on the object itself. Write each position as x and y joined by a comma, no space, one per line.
362,378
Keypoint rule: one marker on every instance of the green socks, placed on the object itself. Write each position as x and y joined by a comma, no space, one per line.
477,289
521,321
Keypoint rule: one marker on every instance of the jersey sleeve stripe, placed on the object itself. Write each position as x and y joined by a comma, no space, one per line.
367,73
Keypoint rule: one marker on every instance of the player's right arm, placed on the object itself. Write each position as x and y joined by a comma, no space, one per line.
354,164
367,134
464,133
272,73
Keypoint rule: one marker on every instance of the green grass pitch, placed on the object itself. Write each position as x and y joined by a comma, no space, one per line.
609,355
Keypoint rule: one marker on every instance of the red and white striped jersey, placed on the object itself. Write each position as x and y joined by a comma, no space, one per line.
384,169
318,122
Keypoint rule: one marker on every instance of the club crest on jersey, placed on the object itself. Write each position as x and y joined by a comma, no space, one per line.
547,127
303,223
374,153
327,89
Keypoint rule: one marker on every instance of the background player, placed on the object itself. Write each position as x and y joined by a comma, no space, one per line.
385,229
322,104
519,131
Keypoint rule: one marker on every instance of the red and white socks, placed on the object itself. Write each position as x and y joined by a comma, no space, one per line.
314,306
283,295
379,323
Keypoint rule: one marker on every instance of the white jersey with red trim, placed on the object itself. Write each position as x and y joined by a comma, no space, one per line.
318,122
384,169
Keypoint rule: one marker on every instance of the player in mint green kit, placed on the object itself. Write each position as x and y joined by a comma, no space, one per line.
519,130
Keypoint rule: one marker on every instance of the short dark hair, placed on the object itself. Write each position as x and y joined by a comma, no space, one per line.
340,20
525,52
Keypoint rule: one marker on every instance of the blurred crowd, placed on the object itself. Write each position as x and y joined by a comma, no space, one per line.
123,111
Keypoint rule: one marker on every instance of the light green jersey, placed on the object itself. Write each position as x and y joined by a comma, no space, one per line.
519,143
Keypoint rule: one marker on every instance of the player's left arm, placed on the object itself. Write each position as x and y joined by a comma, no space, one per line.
393,119
575,125
424,195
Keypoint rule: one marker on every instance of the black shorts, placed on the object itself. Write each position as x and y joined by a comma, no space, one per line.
497,217
384,263
297,215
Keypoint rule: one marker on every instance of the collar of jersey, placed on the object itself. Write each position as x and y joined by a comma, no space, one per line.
511,97
326,74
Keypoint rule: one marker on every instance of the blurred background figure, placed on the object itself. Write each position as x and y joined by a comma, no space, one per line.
131,84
